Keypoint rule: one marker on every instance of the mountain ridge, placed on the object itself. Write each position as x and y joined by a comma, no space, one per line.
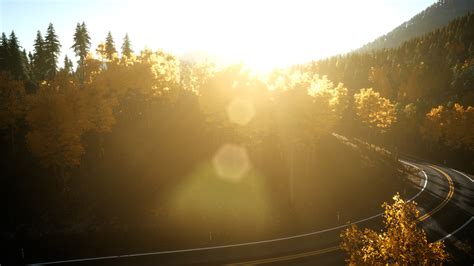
434,17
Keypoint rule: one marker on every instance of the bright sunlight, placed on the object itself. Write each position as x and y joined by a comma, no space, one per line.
261,34
236,132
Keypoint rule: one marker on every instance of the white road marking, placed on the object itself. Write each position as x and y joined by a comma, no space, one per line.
236,245
209,248
424,173
461,173
457,230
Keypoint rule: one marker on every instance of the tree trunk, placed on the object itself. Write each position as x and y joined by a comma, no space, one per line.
56,177
292,172
12,139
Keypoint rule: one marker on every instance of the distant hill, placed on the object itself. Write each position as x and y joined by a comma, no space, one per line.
432,18
432,69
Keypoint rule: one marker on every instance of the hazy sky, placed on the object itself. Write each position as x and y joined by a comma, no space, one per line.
259,32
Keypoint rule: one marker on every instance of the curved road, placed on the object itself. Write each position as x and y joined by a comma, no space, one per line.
445,200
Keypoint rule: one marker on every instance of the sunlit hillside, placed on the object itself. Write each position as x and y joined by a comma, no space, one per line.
429,79
115,154
435,16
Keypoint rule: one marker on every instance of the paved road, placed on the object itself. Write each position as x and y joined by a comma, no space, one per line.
446,201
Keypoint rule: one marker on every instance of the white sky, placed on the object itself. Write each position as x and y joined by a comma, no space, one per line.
261,33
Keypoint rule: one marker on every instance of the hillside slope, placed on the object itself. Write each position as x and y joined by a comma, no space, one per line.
432,18
432,69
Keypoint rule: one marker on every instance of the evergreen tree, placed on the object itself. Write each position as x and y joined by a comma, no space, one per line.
110,46
26,64
52,50
82,43
30,59
126,47
14,60
39,60
68,67
3,52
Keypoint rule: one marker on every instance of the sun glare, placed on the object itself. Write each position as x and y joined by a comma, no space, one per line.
231,162
262,35
173,132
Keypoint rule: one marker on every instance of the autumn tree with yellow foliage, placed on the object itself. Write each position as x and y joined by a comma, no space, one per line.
306,107
12,104
374,110
195,75
401,243
67,107
451,126
59,114
54,136
312,105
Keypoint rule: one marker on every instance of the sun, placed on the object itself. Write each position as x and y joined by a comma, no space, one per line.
260,66
262,35
258,59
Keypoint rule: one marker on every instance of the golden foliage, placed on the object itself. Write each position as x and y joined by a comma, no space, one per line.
433,127
98,107
452,126
402,243
54,136
194,76
151,74
92,68
375,110
61,112
12,101
308,106
298,106
218,89
63,109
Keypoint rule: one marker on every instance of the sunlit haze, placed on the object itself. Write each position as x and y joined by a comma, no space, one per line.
237,132
262,34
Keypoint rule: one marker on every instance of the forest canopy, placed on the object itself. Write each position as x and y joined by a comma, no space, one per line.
56,107
114,130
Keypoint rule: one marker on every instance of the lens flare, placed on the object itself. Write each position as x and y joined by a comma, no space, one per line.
240,111
231,162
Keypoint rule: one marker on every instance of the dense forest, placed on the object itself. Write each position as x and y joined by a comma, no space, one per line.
429,80
130,142
435,16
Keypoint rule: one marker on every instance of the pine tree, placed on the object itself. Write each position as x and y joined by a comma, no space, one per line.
110,46
26,64
31,59
52,50
39,60
68,67
82,43
14,60
127,47
3,52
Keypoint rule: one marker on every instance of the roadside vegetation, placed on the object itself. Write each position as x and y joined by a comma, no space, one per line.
401,243
137,144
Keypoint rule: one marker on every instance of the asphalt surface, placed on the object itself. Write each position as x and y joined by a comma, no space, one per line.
446,205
